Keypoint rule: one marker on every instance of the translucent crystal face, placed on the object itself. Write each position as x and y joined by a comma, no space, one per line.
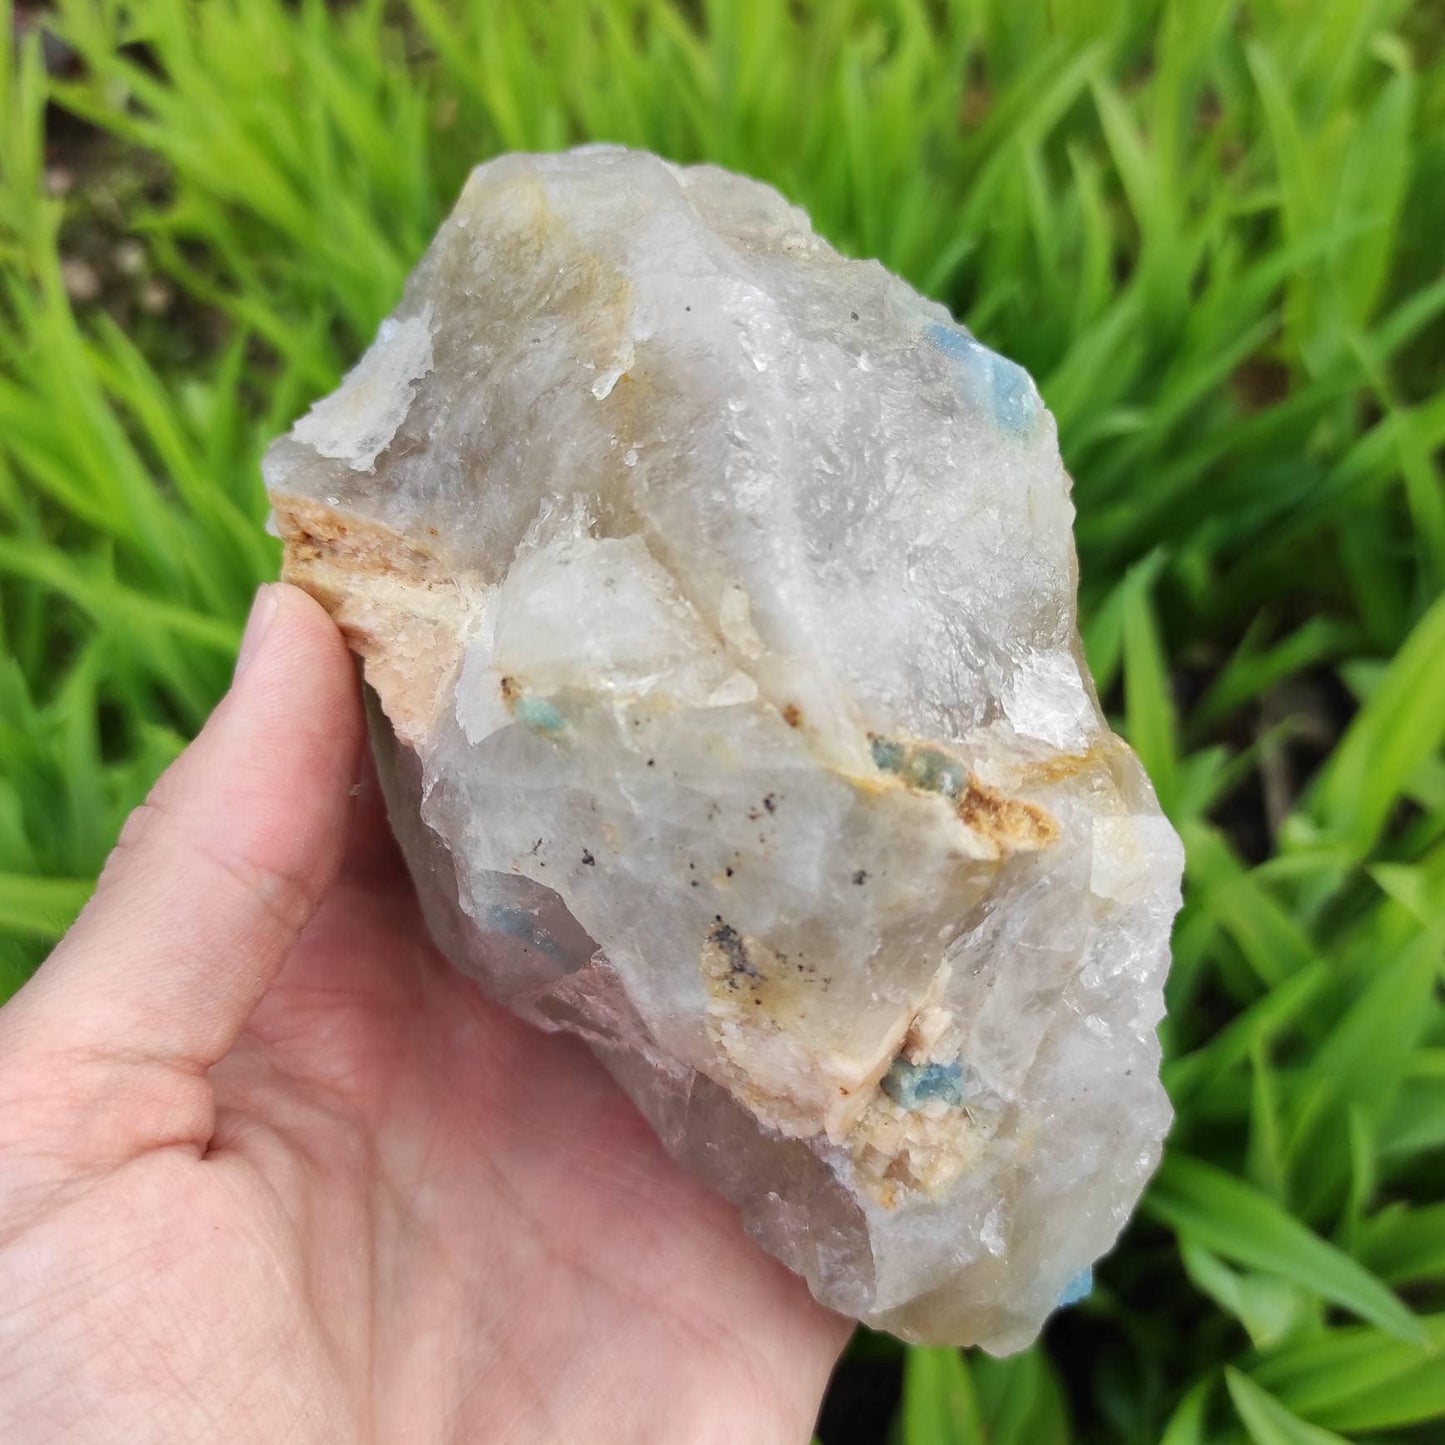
718,595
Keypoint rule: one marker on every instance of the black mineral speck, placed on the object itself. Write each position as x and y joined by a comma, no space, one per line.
730,941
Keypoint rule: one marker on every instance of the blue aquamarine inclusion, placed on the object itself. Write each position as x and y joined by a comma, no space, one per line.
1078,1288
910,1086
921,767
888,755
541,715
990,381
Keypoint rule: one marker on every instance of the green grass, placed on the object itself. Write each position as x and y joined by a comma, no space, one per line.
1212,230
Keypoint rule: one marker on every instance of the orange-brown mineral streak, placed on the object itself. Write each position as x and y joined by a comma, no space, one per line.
1010,824
401,609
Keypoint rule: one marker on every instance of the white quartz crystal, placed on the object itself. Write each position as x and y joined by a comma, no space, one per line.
717,593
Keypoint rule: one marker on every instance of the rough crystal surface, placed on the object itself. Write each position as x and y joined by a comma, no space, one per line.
717,593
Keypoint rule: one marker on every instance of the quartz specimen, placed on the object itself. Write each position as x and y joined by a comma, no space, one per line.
717,596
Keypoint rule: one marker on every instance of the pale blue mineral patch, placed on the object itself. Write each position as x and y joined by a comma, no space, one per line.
921,767
1078,1288
542,716
528,930
888,755
516,923
991,382
910,1086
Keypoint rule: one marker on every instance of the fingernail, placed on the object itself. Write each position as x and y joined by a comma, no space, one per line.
263,609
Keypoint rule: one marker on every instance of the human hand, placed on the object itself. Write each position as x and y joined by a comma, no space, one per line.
270,1169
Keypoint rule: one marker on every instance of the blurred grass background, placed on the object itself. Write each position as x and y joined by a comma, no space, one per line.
1214,230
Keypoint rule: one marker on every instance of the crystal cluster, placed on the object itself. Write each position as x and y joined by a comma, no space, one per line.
717,593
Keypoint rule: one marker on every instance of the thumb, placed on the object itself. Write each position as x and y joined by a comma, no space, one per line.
216,874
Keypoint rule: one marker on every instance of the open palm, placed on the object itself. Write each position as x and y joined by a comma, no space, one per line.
271,1170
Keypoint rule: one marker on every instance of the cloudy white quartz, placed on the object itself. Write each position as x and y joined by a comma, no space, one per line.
718,596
